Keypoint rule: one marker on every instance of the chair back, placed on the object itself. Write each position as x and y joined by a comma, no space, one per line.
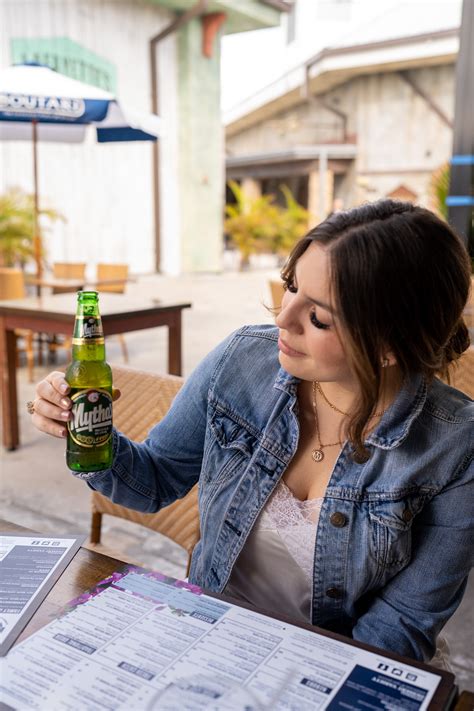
144,401
116,272
461,373
468,313
277,291
12,283
12,286
68,270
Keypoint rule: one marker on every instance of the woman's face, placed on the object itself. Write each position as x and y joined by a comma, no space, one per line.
310,347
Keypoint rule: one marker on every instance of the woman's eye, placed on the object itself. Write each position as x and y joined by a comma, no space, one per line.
316,322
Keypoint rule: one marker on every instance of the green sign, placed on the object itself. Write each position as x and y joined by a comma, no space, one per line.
68,58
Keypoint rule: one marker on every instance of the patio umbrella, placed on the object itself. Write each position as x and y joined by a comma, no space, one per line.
39,104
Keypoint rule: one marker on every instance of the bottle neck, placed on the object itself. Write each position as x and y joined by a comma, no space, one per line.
88,351
88,337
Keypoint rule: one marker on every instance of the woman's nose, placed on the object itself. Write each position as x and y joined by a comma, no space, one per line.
288,319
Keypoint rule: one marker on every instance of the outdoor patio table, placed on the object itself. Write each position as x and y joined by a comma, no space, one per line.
89,567
51,282
55,314
55,282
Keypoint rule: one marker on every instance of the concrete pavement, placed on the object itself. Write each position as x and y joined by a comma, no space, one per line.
37,490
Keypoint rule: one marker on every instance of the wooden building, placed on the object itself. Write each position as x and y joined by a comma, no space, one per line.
353,123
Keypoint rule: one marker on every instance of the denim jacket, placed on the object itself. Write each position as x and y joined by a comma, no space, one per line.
395,535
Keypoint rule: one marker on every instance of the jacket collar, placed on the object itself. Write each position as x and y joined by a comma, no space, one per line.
286,382
396,423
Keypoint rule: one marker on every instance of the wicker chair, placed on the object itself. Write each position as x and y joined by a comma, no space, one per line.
461,373
68,270
276,291
117,276
144,401
12,286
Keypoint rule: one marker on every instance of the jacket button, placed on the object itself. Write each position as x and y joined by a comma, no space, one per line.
334,593
338,519
407,515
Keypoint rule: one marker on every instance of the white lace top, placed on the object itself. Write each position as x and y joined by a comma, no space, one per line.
274,570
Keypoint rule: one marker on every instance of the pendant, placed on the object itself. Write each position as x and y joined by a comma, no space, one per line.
318,455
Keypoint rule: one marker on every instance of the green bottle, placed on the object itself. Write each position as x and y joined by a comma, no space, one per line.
89,436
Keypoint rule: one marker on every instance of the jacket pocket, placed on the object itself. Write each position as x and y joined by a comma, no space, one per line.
230,448
391,523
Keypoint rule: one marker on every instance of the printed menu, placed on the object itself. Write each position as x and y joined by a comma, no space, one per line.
145,641
29,567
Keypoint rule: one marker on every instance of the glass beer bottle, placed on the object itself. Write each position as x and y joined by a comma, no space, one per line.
89,435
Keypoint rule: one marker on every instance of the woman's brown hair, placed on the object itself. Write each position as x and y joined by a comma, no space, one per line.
401,279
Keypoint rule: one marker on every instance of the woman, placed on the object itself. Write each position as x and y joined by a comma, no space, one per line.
335,470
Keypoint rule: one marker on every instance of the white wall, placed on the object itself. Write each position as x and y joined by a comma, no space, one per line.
400,139
104,190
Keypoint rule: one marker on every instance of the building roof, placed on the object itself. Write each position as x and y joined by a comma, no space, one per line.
278,5
337,150
335,65
296,160
407,17
241,16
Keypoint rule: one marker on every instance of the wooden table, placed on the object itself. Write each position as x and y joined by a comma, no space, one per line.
55,283
88,568
55,314
67,284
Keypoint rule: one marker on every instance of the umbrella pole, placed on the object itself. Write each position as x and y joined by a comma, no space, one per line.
36,232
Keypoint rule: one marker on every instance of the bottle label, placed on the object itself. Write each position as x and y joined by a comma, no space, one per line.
88,328
92,423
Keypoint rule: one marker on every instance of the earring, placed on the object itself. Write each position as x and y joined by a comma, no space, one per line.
384,362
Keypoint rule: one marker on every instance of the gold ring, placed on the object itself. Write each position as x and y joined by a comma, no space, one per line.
30,406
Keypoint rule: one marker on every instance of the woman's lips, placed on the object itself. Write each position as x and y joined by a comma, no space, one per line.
287,350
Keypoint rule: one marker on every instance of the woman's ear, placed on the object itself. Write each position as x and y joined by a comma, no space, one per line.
388,359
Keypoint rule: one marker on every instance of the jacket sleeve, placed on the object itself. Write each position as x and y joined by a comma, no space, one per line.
149,475
410,611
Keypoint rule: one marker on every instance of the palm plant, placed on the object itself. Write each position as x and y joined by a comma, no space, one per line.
251,222
17,227
258,224
439,190
293,224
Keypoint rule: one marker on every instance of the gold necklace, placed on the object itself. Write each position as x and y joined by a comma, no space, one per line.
346,414
318,454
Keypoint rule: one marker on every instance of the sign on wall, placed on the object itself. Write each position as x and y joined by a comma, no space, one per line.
67,57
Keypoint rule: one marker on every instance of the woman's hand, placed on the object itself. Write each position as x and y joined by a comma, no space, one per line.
52,406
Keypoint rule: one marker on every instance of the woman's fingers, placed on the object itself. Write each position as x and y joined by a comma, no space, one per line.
46,408
52,401
51,427
52,406
54,389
